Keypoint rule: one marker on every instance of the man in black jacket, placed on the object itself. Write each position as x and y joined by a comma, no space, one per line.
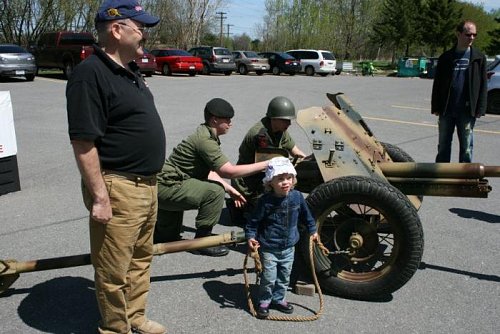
459,93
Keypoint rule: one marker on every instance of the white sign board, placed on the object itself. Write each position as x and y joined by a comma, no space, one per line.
8,146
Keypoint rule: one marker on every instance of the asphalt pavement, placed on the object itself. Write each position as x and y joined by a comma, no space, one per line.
456,290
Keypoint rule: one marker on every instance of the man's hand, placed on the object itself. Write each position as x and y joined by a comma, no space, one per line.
239,199
101,211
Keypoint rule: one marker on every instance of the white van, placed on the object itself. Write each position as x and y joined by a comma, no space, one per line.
315,61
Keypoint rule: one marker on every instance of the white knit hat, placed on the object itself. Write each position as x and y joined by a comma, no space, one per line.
277,166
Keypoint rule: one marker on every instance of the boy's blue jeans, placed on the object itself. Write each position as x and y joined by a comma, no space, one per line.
465,126
275,278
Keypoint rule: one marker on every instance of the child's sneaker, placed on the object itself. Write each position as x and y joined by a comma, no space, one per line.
263,311
283,307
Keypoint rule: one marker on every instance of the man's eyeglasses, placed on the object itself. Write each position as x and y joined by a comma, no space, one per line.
140,30
470,35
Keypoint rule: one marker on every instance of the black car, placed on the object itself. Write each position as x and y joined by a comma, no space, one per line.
281,62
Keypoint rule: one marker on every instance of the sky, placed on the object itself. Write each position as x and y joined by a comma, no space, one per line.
243,15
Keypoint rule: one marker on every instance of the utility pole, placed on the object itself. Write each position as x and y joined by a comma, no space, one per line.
228,25
222,17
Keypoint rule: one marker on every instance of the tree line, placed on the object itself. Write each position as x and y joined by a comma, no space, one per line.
352,29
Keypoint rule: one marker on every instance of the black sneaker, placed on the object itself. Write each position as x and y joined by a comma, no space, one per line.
212,251
263,311
283,307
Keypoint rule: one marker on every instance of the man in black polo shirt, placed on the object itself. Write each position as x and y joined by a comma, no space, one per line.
119,145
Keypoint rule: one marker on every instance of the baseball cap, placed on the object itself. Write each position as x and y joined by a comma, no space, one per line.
124,9
219,107
278,166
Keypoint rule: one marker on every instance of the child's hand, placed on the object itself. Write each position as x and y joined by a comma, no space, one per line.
315,236
253,244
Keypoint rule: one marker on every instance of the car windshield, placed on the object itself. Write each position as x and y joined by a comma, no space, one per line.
285,55
493,64
222,52
178,53
251,54
11,49
328,56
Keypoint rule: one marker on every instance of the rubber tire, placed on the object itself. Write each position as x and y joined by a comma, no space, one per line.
396,153
292,74
397,210
165,70
276,70
309,71
493,105
259,72
192,74
206,69
68,69
324,74
227,73
30,77
242,69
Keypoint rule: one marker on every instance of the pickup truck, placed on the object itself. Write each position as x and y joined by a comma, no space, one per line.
62,50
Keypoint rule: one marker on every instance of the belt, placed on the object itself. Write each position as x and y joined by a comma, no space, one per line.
130,176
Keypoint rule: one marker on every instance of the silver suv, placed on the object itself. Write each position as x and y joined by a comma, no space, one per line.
493,73
315,61
215,59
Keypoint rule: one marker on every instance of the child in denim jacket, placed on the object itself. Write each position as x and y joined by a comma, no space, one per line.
273,228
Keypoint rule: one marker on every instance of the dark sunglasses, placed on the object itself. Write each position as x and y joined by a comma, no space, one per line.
470,35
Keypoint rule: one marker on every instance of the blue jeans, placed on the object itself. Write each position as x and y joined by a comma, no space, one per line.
465,126
275,278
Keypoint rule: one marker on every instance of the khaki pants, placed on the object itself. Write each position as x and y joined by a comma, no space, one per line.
121,253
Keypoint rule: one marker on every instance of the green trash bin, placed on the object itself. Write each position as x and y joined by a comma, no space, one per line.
412,66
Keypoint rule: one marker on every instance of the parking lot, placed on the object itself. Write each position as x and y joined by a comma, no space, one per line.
456,290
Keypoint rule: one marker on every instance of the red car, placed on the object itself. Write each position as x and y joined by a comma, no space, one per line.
170,61
147,63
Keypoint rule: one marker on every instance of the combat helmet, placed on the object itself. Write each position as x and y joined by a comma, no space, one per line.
281,107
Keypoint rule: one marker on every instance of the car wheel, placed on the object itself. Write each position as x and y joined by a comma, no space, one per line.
166,70
206,69
242,69
276,70
309,71
30,77
323,74
148,74
259,72
373,233
192,74
493,106
68,68
228,73
292,73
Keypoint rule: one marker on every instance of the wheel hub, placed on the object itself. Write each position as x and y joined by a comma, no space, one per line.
358,236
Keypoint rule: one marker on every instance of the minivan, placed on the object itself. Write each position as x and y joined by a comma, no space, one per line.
315,61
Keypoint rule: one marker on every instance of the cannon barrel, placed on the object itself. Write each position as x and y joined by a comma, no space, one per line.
439,170
440,179
10,269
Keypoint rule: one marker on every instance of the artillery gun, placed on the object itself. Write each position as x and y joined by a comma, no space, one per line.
365,196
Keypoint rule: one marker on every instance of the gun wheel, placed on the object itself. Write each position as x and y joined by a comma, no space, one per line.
373,233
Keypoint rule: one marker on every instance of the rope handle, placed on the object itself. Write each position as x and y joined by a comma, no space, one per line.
258,269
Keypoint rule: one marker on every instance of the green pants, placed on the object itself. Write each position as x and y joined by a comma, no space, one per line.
205,196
